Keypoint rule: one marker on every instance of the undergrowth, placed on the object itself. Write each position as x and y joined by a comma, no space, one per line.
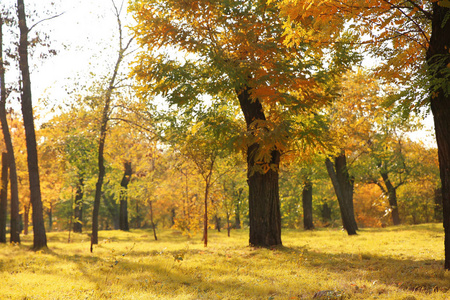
404,262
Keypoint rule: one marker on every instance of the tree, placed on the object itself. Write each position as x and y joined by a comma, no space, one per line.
343,185
414,55
39,237
4,197
123,213
236,53
107,98
14,220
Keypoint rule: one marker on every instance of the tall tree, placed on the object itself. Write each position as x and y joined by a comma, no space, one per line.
412,38
39,237
238,55
14,212
107,98
438,60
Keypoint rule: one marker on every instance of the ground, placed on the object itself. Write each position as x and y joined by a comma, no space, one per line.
404,262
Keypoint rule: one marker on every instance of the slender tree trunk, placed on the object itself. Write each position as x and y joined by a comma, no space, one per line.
343,186
50,217
39,237
101,149
123,212
228,224
438,60
4,197
26,218
237,210
151,219
205,216
264,198
392,196
307,206
14,212
78,207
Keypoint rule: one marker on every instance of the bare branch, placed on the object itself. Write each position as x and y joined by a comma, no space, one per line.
43,20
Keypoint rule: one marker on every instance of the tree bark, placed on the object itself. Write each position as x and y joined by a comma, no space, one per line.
14,213
343,186
78,208
438,204
307,206
264,198
39,237
438,59
392,197
123,212
4,197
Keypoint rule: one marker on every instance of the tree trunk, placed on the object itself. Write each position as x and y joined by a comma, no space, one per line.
264,198
26,218
217,221
307,206
438,59
4,197
151,220
123,212
205,216
237,210
326,213
343,186
101,149
39,237
228,224
78,209
392,196
14,213
50,217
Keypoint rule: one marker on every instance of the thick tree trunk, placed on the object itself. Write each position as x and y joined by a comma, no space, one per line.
438,60
39,237
78,208
14,213
307,206
264,198
392,197
343,186
4,197
123,212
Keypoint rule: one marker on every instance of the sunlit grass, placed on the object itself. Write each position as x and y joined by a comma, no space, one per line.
403,262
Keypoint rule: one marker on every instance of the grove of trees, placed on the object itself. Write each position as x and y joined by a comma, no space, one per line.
233,114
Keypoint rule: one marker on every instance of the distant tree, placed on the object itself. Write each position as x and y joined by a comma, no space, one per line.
123,214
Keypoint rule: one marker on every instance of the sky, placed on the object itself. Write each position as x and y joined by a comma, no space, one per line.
83,35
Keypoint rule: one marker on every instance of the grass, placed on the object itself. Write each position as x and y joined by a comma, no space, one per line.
404,262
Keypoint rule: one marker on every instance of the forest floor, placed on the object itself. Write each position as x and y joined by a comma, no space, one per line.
403,262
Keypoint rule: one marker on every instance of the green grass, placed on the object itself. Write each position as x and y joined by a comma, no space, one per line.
403,262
